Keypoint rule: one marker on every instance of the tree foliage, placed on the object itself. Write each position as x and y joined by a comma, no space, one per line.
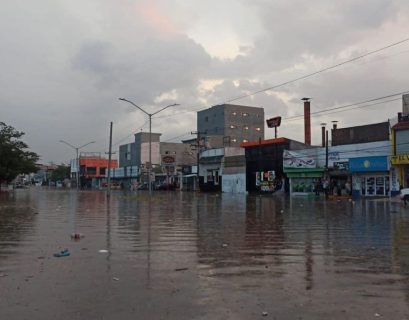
62,172
15,159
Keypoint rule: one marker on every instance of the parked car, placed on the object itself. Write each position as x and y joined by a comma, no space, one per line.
404,195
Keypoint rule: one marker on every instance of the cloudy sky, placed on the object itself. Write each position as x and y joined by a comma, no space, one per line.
65,63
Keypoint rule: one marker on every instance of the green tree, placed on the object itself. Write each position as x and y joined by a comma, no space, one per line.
15,159
61,173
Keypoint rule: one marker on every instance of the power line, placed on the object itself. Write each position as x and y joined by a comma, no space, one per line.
129,135
349,105
182,135
369,105
319,71
196,109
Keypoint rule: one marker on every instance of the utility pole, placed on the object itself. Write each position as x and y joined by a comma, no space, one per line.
150,136
109,161
77,159
197,146
326,151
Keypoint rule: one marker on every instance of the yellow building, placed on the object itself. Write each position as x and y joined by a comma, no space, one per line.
400,150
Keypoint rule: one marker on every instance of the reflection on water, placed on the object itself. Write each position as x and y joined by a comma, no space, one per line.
219,249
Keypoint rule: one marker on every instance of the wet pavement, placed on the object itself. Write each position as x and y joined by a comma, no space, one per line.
201,256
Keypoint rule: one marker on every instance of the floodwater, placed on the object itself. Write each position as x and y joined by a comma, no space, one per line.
201,256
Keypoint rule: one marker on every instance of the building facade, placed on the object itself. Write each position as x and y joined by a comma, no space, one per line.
400,150
264,163
230,125
169,160
94,169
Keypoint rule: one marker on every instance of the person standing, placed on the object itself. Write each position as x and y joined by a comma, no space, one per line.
325,186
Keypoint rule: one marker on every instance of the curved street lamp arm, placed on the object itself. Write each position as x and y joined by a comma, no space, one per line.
171,105
68,144
86,144
136,106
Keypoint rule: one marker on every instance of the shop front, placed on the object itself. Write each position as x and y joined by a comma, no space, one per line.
305,181
400,165
370,176
304,176
339,179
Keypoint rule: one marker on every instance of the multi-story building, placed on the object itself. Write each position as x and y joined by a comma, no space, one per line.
168,159
94,169
229,125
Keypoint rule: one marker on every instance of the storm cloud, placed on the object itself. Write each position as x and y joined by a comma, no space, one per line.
66,63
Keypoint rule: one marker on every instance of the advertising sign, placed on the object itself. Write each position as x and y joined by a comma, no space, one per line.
333,156
342,166
273,122
400,159
168,160
293,159
368,164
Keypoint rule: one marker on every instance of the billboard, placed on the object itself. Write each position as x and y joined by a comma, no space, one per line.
292,159
168,160
273,122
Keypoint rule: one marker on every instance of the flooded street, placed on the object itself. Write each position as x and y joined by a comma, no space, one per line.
201,256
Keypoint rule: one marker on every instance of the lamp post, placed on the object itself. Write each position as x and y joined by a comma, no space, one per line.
77,158
150,135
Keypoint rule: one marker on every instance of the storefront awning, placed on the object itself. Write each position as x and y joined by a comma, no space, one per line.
304,172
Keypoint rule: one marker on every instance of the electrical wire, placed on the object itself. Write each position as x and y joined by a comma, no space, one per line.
318,72
197,109
350,105
182,135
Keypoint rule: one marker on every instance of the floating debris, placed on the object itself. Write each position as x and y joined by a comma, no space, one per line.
103,251
181,269
77,236
264,313
116,279
64,253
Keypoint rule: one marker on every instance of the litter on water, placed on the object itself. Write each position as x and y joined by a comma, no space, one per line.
64,253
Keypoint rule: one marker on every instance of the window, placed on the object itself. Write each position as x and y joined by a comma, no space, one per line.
226,140
102,171
128,155
91,170
206,119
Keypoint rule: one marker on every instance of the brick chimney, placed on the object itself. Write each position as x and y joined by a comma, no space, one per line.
307,121
323,133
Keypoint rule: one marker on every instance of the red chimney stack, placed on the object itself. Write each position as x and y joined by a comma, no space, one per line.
307,121
323,133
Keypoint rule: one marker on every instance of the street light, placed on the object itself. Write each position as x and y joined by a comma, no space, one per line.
78,160
150,135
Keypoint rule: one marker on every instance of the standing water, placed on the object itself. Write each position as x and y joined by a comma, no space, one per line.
182,255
